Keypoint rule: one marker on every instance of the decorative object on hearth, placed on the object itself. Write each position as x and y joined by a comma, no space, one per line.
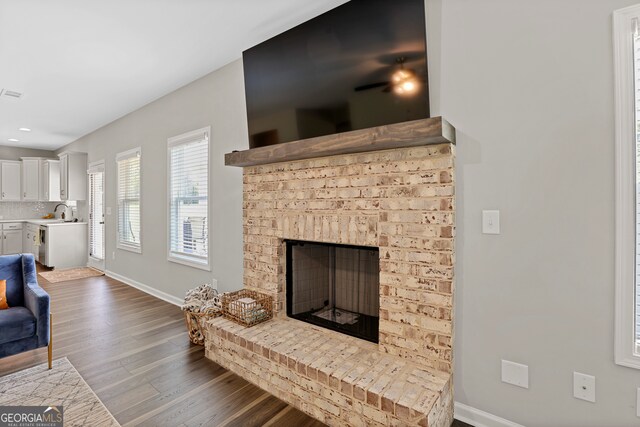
200,304
247,307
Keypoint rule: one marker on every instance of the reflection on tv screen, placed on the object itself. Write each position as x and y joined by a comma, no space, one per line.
360,65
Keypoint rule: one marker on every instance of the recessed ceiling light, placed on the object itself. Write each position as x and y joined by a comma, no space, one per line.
25,129
10,93
13,140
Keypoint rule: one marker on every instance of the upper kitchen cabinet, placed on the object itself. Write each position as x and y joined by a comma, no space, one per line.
40,179
10,180
31,179
50,181
73,175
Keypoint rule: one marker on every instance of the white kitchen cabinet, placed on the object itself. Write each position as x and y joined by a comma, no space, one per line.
12,242
73,176
26,243
10,180
31,179
12,226
64,177
40,179
50,181
29,239
11,238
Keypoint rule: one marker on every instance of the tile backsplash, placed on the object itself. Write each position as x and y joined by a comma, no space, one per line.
25,210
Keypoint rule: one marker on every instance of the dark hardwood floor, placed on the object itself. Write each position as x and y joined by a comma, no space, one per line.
133,350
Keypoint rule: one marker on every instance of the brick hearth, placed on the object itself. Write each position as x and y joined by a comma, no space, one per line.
333,377
399,200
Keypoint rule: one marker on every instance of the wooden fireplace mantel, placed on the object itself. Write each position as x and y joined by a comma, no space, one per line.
434,130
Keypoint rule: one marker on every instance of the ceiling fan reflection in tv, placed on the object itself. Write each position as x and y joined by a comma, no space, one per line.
403,81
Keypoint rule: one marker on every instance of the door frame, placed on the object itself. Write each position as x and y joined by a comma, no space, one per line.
98,166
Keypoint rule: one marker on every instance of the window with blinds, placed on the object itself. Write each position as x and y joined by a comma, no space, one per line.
188,188
626,37
129,177
636,81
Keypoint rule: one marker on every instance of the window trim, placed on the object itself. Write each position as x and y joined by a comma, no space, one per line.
172,142
122,245
625,352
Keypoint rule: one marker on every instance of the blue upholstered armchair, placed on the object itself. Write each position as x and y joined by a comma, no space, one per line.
26,324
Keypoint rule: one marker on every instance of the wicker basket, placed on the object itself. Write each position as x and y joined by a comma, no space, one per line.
255,308
195,325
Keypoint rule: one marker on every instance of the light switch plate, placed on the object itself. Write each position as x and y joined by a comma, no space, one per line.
108,210
584,387
491,222
515,373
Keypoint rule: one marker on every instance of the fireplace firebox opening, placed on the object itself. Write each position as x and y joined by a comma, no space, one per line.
334,286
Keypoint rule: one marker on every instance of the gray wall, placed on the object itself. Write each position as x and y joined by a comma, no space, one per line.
529,86
216,100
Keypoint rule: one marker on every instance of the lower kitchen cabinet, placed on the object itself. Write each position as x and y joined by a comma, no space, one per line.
11,238
29,238
11,242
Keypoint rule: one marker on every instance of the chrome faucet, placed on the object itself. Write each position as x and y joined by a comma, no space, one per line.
56,209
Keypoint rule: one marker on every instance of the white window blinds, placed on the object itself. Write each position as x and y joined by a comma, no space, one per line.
188,161
129,225
636,79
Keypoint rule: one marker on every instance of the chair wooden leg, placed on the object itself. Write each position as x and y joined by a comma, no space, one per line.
50,347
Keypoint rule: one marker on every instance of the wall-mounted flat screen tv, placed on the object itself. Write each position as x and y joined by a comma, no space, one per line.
360,65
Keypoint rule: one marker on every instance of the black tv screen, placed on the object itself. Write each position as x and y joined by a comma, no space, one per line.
360,65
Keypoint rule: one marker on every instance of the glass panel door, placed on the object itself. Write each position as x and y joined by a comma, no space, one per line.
96,216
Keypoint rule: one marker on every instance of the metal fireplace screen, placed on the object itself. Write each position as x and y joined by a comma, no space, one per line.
334,286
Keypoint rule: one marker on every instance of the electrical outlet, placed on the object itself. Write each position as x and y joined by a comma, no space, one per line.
515,373
584,387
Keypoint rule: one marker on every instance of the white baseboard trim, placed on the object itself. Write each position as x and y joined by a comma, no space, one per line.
145,288
478,418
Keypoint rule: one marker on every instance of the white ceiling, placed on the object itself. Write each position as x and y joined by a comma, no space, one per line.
83,63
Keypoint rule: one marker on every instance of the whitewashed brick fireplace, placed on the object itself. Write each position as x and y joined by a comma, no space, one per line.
399,199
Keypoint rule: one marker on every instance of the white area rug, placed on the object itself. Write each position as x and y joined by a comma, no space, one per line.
62,385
